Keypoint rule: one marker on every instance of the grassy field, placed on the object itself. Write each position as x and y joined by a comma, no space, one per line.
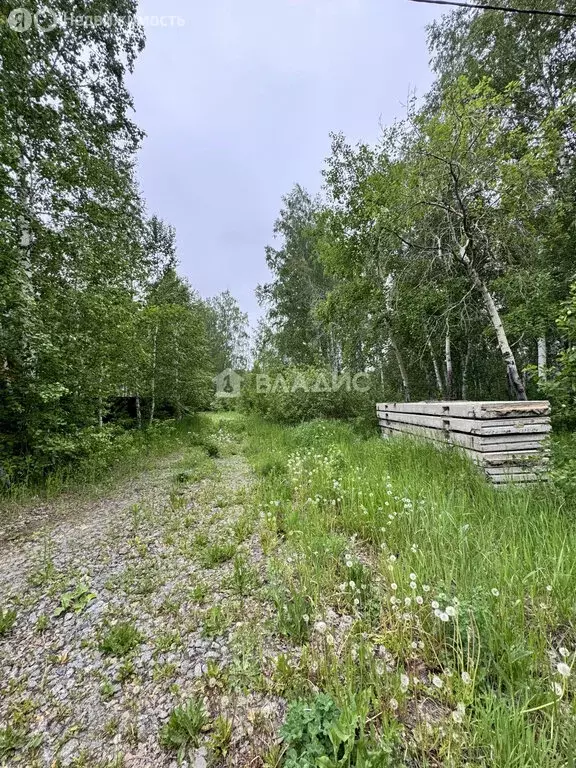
435,611
294,597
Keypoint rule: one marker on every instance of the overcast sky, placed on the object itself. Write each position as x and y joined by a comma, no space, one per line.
238,104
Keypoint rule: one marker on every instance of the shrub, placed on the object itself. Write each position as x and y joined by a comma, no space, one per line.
303,394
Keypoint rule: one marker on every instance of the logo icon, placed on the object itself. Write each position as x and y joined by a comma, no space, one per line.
46,20
228,383
20,20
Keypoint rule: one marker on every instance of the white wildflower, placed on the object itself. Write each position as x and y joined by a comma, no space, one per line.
466,679
564,652
558,689
393,704
563,669
437,682
495,592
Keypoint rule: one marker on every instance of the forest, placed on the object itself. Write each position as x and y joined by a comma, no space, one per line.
442,258
98,331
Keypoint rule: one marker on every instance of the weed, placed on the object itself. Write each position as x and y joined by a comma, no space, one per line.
214,621
198,592
42,623
120,639
306,731
177,500
212,449
107,690
76,600
182,732
217,553
182,477
15,740
294,611
126,671
242,528
243,577
7,620
167,640
221,737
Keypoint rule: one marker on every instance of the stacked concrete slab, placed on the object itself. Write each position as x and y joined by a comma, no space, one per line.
507,439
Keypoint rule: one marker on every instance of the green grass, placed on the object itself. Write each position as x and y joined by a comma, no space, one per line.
120,639
458,597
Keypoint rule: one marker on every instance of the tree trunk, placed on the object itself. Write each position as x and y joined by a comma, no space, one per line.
505,349
465,366
439,384
153,382
100,407
542,359
449,368
402,368
138,410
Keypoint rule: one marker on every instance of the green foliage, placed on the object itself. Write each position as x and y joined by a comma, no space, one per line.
182,732
243,577
294,610
120,639
217,553
561,384
221,737
306,731
293,395
8,618
15,741
215,621
76,600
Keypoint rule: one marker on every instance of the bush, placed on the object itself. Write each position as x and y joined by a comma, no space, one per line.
302,394
561,384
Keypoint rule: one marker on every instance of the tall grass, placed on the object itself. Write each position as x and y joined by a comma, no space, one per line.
470,591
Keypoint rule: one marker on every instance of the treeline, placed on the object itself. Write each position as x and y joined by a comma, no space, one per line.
442,258
96,326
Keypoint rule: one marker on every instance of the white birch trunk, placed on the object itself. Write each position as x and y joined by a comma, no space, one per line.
494,315
542,358
439,384
153,382
465,366
449,367
402,369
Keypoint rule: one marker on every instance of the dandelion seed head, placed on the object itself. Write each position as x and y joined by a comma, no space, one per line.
563,669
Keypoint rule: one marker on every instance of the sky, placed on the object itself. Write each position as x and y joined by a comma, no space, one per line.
238,102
